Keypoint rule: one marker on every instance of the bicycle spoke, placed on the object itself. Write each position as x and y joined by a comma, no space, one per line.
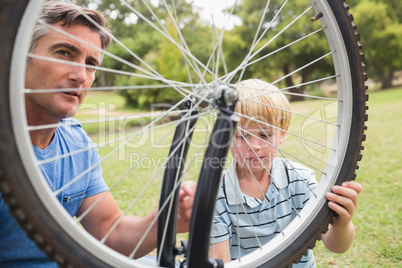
163,64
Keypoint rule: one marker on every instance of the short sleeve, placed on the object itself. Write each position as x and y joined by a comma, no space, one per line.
96,182
311,185
221,222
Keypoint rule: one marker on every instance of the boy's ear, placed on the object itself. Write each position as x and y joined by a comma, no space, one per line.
283,133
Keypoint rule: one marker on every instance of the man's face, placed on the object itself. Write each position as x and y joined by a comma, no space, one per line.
254,148
44,74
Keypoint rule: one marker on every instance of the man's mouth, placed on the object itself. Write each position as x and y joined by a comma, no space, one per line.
73,93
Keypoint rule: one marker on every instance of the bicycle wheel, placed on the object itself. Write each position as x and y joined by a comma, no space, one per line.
318,60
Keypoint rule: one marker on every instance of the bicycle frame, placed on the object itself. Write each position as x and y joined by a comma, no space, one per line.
209,179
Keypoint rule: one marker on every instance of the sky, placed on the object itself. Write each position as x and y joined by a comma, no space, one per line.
208,7
215,7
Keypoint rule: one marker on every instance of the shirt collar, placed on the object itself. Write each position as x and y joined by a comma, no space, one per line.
279,176
233,193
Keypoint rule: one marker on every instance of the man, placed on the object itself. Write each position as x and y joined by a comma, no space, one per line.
55,108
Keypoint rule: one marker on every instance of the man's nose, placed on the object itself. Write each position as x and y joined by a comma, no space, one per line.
78,74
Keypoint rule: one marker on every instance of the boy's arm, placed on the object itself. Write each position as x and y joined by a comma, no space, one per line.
220,250
343,200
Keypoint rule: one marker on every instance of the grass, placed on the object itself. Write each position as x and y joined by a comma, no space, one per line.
377,220
110,106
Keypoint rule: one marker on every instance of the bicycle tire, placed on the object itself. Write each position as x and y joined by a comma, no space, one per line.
11,15
307,238
319,224
61,245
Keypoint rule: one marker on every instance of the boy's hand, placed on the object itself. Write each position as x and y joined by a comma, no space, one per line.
186,200
343,200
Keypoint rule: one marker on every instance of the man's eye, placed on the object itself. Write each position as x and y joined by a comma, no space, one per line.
62,52
91,64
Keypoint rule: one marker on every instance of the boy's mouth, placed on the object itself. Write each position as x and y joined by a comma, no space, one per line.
254,159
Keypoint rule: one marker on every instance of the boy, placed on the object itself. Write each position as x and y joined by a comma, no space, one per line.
259,183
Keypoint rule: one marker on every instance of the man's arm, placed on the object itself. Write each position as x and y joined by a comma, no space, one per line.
343,200
129,230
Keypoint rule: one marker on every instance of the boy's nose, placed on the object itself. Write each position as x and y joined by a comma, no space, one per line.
255,144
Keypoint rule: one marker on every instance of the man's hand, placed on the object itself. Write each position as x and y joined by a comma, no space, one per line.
187,193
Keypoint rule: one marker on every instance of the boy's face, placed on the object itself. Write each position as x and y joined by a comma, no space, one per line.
254,147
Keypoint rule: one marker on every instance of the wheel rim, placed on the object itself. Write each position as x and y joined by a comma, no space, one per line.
108,256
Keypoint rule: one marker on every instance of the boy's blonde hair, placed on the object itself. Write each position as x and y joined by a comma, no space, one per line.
264,102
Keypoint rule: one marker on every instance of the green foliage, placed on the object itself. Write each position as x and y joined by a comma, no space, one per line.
290,59
144,53
378,23
381,35
164,60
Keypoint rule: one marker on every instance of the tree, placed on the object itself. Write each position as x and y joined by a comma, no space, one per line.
167,60
154,52
283,63
381,35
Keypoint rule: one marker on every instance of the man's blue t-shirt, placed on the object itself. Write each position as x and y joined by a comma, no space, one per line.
81,171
